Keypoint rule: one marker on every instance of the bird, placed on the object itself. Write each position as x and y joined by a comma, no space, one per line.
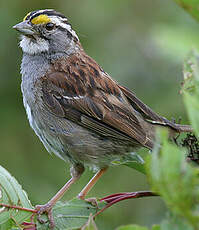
75,108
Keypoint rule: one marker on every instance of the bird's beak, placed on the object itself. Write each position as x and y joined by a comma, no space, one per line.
24,28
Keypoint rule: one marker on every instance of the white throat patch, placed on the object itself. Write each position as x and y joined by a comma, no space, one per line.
33,47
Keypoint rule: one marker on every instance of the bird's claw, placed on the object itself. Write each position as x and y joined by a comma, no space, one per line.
46,208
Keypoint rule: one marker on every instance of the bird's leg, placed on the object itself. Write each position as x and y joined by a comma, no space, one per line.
76,172
91,183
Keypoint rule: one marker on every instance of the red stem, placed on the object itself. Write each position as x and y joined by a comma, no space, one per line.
19,208
117,197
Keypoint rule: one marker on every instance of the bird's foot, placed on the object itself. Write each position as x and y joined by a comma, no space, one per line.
46,208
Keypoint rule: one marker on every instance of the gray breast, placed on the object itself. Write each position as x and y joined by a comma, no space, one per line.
59,135
32,68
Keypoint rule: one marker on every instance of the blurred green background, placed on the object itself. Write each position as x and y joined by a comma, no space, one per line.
141,44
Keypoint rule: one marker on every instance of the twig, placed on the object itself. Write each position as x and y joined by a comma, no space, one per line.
18,207
117,197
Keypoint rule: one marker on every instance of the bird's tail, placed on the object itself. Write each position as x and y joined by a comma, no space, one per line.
182,128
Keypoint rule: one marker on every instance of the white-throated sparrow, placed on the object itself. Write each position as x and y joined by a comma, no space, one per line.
78,111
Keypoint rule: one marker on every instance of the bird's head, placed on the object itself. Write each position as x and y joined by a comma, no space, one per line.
46,31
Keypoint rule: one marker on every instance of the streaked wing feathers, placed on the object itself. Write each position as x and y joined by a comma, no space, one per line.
145,111
80,91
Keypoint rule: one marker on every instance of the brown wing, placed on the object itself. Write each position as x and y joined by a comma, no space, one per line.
145,111
83,93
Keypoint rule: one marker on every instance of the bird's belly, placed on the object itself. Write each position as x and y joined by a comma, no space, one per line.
45,134
72,142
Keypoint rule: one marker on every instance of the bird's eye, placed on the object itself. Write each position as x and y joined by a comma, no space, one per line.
50,26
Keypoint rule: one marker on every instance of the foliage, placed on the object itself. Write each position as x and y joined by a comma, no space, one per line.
169,173
11,193
70,215
176,181
73,215
191,6
191,89
134,160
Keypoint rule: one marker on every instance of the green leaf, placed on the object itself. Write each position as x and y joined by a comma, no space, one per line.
71,215
132,227
136,227
134,160
192,105
190,89
174,179
90,225
156,227
175,223
11,193
7,225
191,6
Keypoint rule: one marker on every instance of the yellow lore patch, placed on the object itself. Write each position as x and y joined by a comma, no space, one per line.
41,19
